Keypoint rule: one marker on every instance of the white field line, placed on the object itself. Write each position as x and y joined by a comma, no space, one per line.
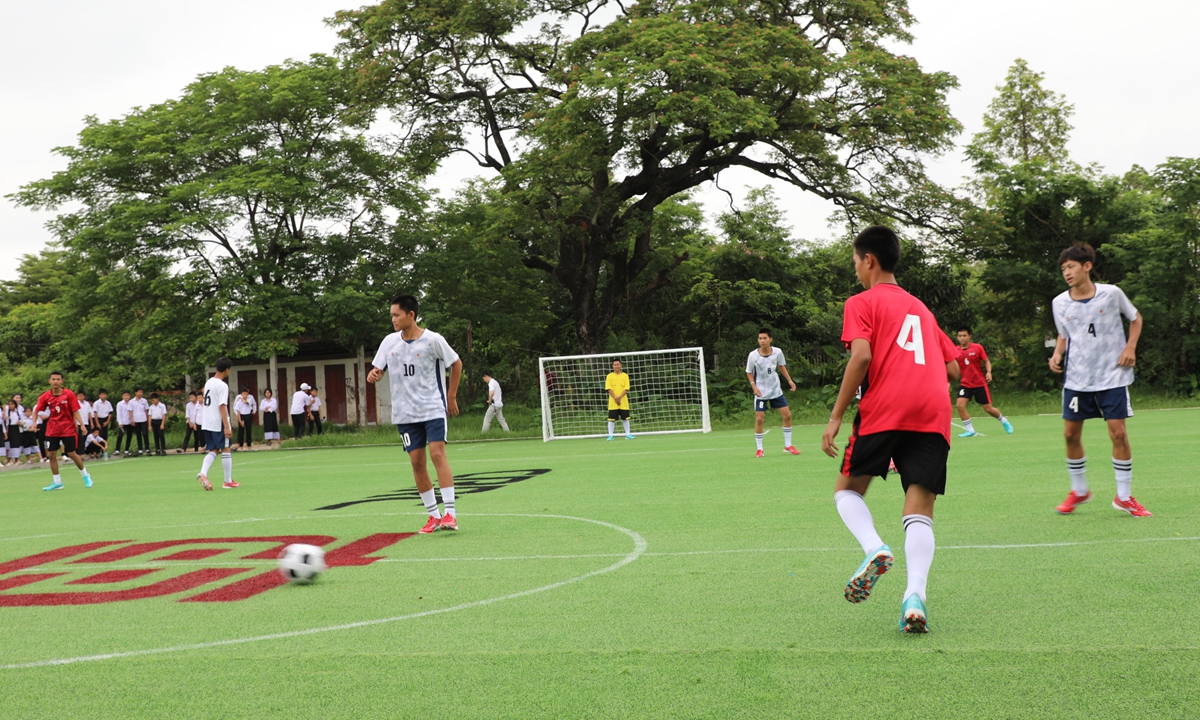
961,427
639,548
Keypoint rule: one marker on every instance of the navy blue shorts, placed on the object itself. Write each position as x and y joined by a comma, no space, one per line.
761,404
215,440
1110,404
417,435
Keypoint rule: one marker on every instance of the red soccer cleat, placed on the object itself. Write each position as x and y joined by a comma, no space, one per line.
448,523
758,453
1131,506
433,524
791,449
231,484
1073,501
204,483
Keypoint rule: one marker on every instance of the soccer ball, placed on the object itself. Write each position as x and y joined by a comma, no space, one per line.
301,563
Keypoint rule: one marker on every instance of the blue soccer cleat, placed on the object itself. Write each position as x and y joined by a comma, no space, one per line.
913,616
54,486
610,438
1008,428
969,433
629,437
858,587
87,479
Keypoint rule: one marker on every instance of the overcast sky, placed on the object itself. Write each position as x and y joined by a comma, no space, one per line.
1126,67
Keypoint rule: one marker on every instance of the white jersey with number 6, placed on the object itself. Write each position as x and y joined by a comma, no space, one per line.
216,394
417,374
1095,338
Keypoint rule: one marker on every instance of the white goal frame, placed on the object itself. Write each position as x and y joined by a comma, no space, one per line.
604,361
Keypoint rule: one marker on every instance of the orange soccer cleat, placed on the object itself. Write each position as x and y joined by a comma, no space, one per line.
1073,501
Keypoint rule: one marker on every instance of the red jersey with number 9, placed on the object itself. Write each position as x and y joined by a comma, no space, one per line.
63,407
906,385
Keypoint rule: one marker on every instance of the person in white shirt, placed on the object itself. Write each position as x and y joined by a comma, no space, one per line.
314,413
102,409
85,416
214,421
764,365
416,360
270,416
139,410
495,402
157,413
94,446
190,430
299,409
13,415
245,407
124,423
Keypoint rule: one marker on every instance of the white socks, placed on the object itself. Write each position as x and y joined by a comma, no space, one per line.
448,499
58,479
1077,469
1124,471
209,459
430,499
611,426
758,438
1002,419
227,466
856,515
787,437
626,424
968,426
918,553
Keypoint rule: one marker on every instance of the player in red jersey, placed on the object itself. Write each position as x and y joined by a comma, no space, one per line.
60,407
976,371
899,363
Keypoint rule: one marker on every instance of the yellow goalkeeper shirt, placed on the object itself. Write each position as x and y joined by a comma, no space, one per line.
618,384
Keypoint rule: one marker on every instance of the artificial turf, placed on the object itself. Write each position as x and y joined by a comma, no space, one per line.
733,607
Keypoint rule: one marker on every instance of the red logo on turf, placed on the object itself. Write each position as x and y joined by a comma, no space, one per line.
161,581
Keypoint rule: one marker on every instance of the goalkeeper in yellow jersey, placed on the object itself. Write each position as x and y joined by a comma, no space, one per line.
617,385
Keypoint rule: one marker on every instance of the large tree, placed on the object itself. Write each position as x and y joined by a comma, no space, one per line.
595,113
256,190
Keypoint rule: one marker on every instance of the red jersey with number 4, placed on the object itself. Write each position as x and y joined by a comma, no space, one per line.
906,385
62,407
971,364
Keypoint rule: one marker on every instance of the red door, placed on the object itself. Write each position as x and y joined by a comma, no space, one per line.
335,394
282,395
248,379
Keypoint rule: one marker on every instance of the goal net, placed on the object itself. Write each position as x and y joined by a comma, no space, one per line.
667,393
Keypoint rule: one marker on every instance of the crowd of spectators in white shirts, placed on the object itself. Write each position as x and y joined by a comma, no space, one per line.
141,419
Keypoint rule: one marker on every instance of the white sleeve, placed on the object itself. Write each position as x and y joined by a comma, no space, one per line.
444,351
380,360
749,364
782,362
1054,308
1127,308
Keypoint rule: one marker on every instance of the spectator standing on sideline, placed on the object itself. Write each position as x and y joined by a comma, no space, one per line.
85,417
158,418
245,406
270,417
140,409
124,423
190,433
102,411
314,413
495,401
13,415
299,409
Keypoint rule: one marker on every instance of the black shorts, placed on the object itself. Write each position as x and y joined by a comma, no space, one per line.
920,457
981,395
68,444
618,414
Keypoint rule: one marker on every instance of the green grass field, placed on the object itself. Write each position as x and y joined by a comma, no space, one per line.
670,576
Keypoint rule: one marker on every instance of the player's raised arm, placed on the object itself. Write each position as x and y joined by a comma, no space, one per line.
856,372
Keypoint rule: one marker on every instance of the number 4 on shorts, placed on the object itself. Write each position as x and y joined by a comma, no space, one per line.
910,338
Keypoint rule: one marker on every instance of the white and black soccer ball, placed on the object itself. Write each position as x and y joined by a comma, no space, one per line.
301,563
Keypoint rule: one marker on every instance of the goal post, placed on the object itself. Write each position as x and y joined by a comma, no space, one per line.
668,393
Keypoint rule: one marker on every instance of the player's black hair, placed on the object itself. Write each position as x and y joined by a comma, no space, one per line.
767,332
965,328
1080,253
407,303
153,396
52,374
223,364
487,373
268,390
313,388
102,392
138,389
243,389
126,392
881,242
191,393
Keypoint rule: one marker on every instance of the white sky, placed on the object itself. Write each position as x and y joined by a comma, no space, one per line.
1125,68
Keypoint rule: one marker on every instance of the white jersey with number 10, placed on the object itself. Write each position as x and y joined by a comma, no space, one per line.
417,374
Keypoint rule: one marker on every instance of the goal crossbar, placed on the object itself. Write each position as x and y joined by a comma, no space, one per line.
668,393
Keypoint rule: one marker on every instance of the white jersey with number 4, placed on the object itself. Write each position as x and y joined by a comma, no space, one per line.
1095,338
765,369
216,394
417,374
